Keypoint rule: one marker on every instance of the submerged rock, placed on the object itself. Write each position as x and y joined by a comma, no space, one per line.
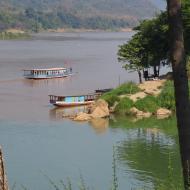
138,113
82,117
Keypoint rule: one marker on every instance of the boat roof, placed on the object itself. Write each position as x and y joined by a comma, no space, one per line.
49,69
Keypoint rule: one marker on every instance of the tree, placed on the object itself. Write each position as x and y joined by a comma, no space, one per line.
132,53
178,60
148,47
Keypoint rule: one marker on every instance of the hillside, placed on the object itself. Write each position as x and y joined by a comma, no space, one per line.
95,14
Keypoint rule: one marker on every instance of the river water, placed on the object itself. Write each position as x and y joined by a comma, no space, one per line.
39,145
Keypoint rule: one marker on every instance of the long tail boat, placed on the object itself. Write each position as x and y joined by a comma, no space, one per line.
47,73
70,101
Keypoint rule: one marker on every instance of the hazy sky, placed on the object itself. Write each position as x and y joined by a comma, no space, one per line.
160,3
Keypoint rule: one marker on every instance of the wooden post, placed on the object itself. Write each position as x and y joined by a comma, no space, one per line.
3,178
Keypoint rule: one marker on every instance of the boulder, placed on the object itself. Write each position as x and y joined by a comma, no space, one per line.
82,117
162,113
143,114
138,113
100,109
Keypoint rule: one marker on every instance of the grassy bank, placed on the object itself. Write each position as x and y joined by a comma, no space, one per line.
150,103
13,36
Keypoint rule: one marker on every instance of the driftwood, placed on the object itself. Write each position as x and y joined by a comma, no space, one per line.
3,178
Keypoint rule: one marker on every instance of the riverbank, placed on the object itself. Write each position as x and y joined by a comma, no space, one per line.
78,30
14,34
140,101
143,100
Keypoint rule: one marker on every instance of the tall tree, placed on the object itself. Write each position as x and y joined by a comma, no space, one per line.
131,54
178,60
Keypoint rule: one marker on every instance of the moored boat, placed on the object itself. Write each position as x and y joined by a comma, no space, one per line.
47,73
70,101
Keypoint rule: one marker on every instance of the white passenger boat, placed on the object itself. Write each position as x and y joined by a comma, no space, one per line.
47,73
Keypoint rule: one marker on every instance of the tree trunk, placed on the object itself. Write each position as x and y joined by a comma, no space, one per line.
140,77
177,56
3,179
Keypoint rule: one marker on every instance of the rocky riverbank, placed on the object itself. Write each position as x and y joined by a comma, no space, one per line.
143,102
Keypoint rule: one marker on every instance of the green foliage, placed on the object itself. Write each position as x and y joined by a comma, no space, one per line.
148,47
35,15
166,98
186,21
110,98
126,88
124,106
132,54
147,104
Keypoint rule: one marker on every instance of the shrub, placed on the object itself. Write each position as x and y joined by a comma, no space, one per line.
124,106
126,88
147,104
110,98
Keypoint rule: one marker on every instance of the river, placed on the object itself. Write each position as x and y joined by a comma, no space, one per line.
39,145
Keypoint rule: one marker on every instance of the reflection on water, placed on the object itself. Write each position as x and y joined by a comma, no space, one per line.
60,113
56,82
100,125
147,153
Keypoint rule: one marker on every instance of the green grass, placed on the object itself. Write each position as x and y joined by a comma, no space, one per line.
126,88
147,104
12,36
110,98
124,106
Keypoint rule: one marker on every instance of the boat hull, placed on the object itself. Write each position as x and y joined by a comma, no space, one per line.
46,77
72,104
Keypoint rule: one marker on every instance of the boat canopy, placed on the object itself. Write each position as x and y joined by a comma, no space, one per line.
50,69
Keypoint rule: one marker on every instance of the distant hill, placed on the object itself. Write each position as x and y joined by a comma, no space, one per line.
93,14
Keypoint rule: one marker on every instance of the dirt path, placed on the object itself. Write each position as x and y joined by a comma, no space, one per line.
148,88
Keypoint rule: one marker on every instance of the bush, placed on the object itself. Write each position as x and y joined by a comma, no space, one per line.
124,106
126,88
147,104
110,98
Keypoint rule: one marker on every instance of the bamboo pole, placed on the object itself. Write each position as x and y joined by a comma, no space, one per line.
3,178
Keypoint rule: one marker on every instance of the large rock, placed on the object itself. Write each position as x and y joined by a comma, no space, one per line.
162,113
100,109
82,117
138,113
